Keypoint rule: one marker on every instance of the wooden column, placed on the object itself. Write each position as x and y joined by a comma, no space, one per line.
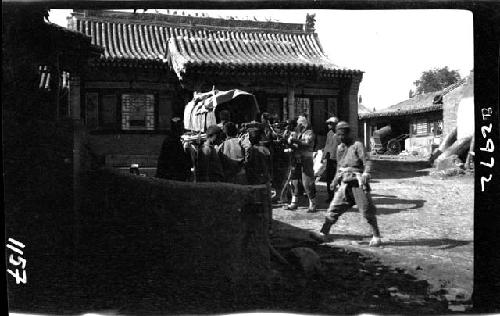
352,99
291,101
365,135
78,131
74,98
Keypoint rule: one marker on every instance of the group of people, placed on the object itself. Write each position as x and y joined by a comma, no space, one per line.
225,157
222,157
347,174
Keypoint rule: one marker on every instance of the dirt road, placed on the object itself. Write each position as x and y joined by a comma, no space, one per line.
426,225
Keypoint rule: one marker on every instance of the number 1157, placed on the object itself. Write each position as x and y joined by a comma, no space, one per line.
20,262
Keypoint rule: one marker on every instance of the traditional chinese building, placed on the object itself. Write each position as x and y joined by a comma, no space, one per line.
152,64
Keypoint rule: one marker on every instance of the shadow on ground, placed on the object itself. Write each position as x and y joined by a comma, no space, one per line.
401,204
398,204
443,243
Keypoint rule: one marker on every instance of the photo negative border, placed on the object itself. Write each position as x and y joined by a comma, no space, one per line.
486,23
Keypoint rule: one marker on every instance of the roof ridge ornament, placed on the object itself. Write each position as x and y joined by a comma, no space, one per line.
310,22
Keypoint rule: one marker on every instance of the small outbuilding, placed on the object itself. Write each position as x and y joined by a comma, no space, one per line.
420,123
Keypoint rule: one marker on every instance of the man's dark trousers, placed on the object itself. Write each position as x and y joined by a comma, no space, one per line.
331,168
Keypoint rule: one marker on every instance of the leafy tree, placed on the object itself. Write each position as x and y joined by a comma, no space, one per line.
436,79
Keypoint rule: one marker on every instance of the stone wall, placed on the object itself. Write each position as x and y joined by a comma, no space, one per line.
423,145
204,243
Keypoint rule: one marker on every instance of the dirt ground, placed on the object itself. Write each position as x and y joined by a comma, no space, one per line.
426,224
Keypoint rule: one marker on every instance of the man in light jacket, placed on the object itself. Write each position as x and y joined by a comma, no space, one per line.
302,144
330,154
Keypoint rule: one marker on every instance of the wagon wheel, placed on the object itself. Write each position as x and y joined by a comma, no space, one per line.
394,147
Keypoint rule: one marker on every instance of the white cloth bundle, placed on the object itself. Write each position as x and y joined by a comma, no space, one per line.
319,166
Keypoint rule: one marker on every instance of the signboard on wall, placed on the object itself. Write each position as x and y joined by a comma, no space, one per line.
138,112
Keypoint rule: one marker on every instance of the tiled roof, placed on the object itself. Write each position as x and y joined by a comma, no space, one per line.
194,43
363,109
420,103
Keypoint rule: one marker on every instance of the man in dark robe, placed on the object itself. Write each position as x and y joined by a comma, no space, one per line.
257,167
209,167
173,163
232,155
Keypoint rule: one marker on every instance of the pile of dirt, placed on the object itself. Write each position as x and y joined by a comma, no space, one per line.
349,283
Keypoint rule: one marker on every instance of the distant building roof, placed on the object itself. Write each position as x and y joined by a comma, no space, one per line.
363,109
191,43
420,103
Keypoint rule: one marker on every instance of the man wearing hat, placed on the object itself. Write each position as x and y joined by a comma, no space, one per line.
209,167
351,183
174,162
303,146
224,117
330,155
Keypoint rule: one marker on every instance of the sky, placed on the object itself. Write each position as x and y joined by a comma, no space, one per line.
392,47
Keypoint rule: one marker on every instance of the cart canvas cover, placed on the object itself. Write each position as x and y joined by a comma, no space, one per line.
201,111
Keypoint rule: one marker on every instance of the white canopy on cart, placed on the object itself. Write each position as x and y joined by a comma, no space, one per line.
200,112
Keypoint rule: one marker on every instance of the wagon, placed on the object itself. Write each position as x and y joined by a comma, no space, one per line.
384,142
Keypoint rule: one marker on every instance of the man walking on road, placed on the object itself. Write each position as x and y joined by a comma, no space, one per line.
330,155
352,184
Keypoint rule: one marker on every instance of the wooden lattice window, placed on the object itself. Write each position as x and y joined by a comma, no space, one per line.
138,112
420,128
437,127
302,107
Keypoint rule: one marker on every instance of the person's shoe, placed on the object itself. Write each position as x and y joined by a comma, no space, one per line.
312,206
317,237
325,229
294,204
375,242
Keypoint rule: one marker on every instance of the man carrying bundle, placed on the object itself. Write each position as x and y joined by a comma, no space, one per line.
351,184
